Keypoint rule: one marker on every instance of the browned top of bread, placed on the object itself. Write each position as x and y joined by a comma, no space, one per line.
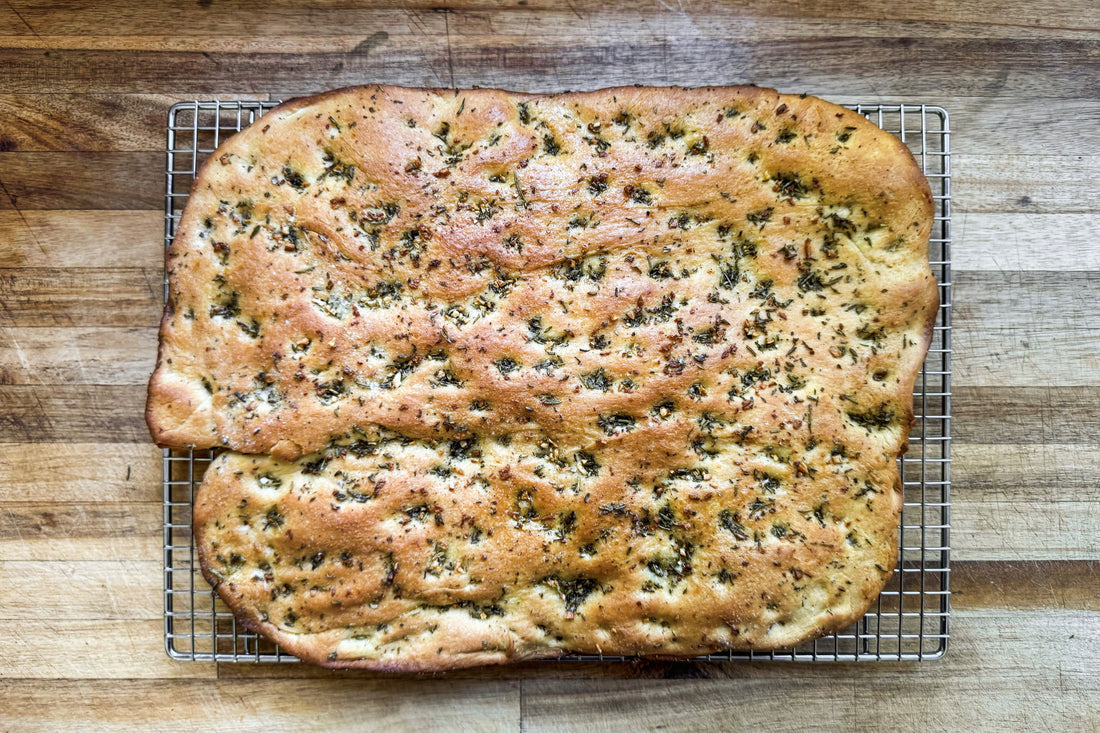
622,371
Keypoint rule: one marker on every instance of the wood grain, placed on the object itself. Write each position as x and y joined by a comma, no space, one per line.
1026,501
51,532
1026,415
205,73
55,180
951,67
47,296
63,414
1026,585
772,20
352,40
80,473
288,18
11,24
84,89
82,239
83,122
1010,125
253,18
236,705
412,27
1022,353
77,355
1048,473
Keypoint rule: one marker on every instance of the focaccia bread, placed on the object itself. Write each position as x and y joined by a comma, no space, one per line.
506,376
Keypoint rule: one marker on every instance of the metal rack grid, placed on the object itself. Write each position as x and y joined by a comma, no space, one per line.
909,620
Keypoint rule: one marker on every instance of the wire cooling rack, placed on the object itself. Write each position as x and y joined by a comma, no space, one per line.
909,620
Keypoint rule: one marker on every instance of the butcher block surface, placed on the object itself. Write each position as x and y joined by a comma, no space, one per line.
84,95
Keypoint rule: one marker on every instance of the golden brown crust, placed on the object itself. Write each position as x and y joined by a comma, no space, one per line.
623,371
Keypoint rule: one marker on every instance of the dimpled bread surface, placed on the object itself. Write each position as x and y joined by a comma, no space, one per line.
506,376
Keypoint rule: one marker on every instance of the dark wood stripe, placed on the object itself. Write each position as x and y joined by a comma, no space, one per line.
1026,415
1046,475
951,67
250,18
115,180
943,67
286,17
1026,585
83,122
44,296
174,72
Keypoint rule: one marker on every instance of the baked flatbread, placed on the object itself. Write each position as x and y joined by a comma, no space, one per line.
505,376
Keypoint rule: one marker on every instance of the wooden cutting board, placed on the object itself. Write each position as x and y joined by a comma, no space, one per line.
84,92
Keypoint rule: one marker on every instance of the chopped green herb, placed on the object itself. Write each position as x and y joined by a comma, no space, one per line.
597,379
616,424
